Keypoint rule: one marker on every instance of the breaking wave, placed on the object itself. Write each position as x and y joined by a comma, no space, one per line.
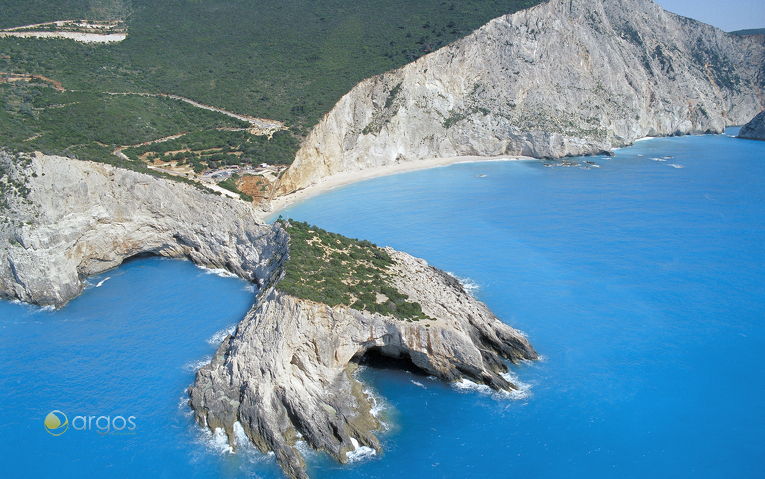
197,364
219,336
360,452
470,286
523,391
223,273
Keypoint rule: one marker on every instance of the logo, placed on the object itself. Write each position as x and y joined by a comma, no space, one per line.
56,423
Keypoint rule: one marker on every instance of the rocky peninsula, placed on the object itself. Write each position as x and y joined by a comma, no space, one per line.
563,78
755,129
286,372
65,220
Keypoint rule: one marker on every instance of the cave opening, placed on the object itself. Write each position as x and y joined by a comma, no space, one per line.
376,359
139,256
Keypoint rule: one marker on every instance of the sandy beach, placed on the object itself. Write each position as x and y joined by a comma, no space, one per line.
341,179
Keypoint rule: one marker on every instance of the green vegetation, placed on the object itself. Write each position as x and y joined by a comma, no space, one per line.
214,148
287,60
332,269
230,184
10,186
34,116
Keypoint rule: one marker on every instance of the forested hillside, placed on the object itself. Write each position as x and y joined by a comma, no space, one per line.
285,60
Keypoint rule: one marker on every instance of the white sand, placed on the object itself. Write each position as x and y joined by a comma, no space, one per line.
342,179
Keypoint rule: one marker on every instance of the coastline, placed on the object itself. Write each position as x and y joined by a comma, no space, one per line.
347,178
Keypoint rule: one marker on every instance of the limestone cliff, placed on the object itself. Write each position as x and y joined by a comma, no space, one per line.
567,77
287,369
286,372
71,219
755,129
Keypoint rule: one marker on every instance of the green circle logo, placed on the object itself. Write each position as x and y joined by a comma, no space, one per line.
56,423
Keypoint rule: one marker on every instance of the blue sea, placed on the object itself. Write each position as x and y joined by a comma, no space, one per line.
639,280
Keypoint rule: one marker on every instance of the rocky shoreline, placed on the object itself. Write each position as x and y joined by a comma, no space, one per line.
69,219
287,370
754,129
563,78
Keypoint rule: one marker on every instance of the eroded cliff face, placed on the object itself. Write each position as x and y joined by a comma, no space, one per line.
81,218
286,372
564,78
755,129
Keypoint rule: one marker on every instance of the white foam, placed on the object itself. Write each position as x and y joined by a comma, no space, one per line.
470,286
240,437
193,367
103,281
522,392
183,404
360,452
219,442
250,288
304,449
673,165
49,307
418,384
468,385
223,273
219,336
377,403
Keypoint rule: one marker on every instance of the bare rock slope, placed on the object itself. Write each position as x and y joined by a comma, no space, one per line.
755,129
287,371
564,78
67,219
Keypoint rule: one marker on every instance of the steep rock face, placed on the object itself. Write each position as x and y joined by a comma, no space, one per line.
81,218
755,129
286,372
288,369
567,77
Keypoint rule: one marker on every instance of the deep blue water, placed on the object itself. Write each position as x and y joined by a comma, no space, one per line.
640,283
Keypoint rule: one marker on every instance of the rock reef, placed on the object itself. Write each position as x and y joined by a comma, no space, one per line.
564,78
286,373
755,129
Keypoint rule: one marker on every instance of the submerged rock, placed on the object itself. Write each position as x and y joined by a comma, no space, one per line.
755,129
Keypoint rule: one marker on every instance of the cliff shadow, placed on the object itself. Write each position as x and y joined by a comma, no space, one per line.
375,359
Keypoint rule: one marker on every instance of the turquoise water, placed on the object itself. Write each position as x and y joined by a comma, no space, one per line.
640,283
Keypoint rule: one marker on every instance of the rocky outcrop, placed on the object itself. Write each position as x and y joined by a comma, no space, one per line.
567,77
286,373
71,219
755,129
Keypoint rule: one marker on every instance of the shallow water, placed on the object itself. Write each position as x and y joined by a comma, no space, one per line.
640,284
